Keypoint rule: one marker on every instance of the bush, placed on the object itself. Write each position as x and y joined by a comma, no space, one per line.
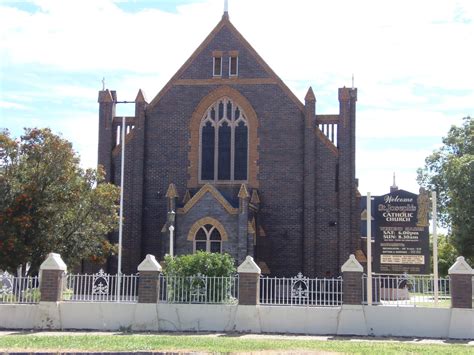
200,278
31,295
67,294
7,298
203,263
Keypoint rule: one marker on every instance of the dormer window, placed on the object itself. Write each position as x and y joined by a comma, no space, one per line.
217,64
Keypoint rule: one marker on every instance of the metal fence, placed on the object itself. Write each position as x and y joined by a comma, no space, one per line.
407,290
19,289
301,291
101,287
199,289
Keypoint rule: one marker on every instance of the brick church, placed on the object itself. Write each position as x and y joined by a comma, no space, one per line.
231,159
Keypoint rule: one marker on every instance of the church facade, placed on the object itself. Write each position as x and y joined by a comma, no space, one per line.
229,158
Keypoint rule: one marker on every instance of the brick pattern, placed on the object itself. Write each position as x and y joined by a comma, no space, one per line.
51,287
461,291
164,150
352,288
194,128
148,287
310,243
249,289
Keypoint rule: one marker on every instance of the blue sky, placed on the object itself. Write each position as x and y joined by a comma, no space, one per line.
412,62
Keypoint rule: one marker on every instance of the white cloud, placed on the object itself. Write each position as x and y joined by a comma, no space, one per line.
378,123
375,168
392,48
7,104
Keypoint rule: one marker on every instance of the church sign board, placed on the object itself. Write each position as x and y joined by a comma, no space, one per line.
401,233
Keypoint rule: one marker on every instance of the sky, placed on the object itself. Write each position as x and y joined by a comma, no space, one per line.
412,62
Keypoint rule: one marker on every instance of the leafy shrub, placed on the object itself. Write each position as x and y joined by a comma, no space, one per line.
199,278
67,294
7,298
31,295
203,263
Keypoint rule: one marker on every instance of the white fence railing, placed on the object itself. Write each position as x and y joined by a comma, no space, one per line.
407,290
19,289
199,289
101,287
301,291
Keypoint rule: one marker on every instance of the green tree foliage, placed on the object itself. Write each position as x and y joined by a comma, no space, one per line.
200,277
450,172
447,255
203,263
49,204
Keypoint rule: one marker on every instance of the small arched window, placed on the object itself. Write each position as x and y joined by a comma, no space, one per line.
208,239
224,143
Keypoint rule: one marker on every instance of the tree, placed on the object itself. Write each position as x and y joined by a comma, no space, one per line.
49,204
450,172
447,255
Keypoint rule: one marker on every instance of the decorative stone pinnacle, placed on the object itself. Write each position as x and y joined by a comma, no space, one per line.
105,96
171,192
243,193
352,265
310,95
460,267
149,264
249,266
53,262
255,198
140,97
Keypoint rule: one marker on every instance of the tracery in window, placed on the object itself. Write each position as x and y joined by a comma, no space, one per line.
224,143
208,239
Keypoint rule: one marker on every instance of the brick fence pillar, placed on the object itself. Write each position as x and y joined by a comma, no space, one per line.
149,280
352,281
461,284
53,272
249,282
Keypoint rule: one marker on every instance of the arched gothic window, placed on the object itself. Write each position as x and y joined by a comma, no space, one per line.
224,143
208,239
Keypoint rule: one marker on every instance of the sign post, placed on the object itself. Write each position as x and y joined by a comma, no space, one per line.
435,248
369,249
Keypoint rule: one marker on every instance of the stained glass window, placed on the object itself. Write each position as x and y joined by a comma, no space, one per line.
224,143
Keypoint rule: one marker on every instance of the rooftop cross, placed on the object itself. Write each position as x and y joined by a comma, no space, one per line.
226,6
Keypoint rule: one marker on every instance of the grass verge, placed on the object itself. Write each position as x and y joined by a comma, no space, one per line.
216,344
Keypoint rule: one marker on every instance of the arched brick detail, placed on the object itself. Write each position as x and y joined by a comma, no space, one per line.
206,102
207,220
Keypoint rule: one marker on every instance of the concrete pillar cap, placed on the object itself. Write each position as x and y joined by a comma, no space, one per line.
460,267
149,264
53,262
249,267
352,265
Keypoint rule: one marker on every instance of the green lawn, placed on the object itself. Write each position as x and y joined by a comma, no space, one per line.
215,344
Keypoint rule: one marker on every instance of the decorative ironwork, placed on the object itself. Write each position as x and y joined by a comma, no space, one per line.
300,291
299,286
199,289
100,283
101,287
198,286
6,283
18,289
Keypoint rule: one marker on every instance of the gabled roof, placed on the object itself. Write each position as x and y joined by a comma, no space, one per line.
214,193
225,23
